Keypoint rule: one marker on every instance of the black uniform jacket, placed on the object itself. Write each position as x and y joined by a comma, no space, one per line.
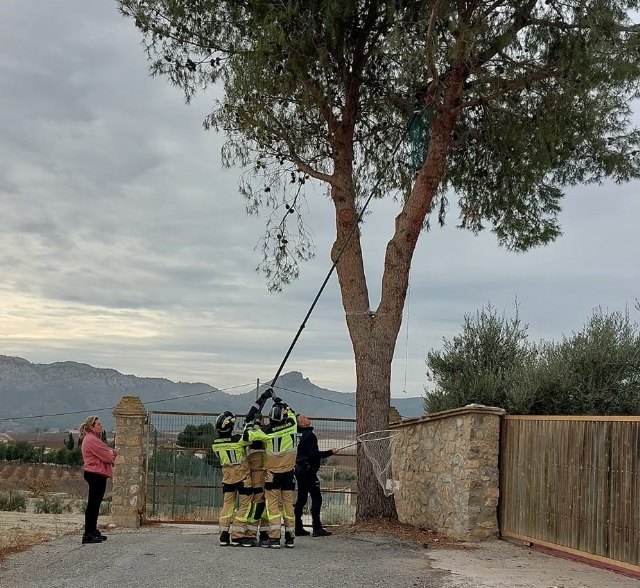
309,456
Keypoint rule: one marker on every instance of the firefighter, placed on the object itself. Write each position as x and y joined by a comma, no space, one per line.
280,439
258,521
236,478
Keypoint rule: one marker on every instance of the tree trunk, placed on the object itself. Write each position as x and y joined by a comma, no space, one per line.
373,338
374,333
373,346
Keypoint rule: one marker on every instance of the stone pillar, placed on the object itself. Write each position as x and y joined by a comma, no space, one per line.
128,477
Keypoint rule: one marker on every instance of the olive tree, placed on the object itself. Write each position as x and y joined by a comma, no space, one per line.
595,371
490,362
495,105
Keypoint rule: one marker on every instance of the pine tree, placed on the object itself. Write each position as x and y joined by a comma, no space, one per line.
514,101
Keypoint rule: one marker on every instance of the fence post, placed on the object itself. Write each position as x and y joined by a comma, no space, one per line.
128,479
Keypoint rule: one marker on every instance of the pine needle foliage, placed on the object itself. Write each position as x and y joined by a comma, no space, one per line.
543,93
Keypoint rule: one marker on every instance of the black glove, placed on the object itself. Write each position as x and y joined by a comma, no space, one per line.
277,399
251,415
268,393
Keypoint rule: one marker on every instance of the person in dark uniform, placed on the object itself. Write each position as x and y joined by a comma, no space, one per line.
307,466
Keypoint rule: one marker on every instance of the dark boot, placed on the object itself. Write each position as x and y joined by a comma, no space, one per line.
321,533
90,538
288,539
225,540
301,532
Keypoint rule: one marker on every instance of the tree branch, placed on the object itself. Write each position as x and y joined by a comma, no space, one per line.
505,87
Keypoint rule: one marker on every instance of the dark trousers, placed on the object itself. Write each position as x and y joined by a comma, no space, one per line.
308,485
97,488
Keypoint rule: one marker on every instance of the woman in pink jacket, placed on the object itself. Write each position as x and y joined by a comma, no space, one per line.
98,460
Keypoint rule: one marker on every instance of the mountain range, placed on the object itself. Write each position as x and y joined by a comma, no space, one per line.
60,395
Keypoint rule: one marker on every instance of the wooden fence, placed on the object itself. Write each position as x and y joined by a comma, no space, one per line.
573,484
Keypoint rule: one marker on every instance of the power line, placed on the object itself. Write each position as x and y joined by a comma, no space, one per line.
18,418
316,397
39,416
198,394
97,410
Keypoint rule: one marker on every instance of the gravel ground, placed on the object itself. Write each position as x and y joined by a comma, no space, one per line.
501,564
172,555
159,556
26,528
175,555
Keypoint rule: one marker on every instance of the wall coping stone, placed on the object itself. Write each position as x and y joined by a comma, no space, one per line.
464,410
129,406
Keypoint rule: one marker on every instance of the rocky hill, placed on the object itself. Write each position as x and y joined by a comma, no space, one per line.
28,390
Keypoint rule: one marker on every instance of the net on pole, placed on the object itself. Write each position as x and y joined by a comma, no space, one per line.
378,447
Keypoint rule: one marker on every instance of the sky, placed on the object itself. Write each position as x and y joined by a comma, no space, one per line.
124,243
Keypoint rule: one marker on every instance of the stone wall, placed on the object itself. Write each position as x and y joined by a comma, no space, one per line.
128,473
447,466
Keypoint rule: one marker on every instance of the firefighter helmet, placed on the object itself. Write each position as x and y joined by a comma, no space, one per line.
278,412
225,422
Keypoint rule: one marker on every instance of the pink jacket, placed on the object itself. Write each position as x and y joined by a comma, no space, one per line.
98,457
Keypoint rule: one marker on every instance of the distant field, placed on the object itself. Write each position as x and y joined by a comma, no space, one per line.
19,530
39,479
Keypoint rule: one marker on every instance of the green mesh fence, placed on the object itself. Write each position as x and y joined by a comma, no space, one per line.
184,480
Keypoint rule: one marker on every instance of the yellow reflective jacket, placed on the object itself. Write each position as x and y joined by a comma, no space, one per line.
280,443
230,450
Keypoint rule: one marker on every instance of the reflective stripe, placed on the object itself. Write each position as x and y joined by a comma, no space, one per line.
232,458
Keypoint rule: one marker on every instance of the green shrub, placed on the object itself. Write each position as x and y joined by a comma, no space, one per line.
105,507
16,501
594,372
50,505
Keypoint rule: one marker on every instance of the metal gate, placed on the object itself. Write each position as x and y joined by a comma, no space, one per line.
183,479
